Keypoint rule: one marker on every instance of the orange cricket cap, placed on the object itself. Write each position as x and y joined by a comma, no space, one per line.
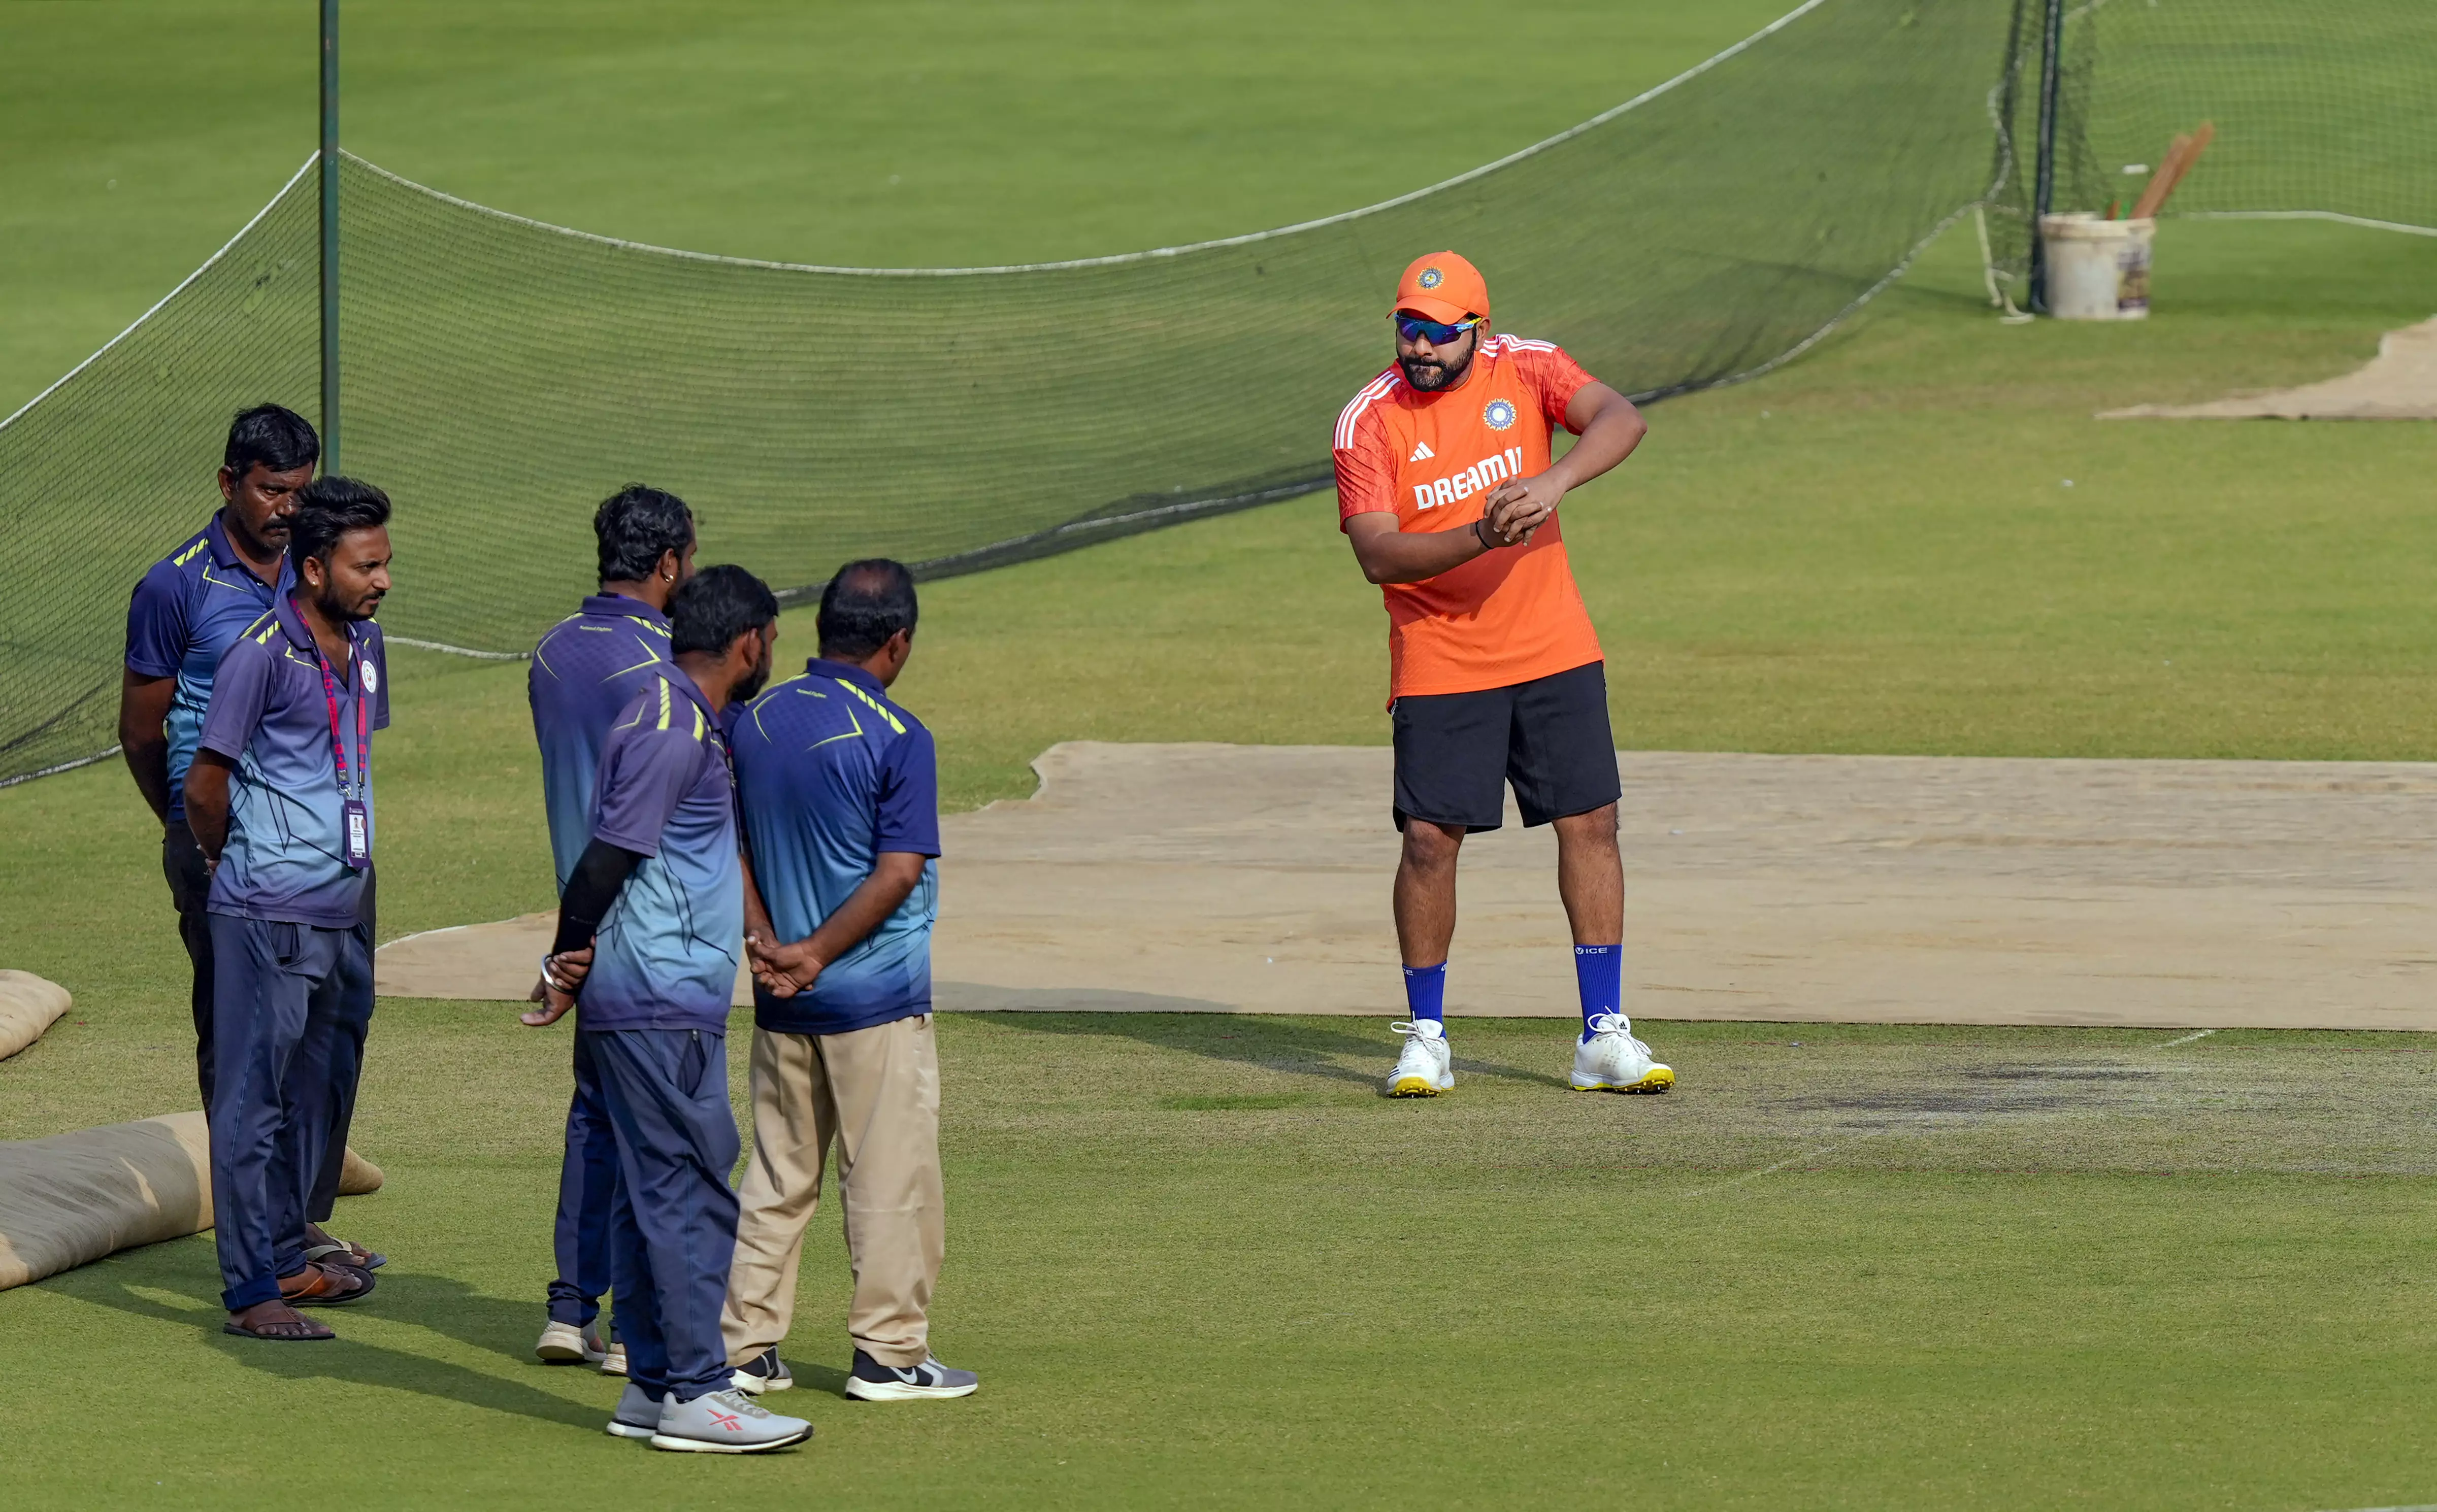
1444,286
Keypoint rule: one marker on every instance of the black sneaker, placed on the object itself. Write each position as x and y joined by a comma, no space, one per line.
874,1381
764,1372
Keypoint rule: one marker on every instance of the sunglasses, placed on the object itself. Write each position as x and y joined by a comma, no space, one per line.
1413,328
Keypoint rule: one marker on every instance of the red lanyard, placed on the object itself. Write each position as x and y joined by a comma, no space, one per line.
330,695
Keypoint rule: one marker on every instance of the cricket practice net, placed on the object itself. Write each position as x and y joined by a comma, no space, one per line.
499,377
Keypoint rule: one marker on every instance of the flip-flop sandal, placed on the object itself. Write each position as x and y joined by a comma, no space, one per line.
352,1254
331,1286
312,1331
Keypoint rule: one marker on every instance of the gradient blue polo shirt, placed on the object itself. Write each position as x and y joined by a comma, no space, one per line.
584,671
830,773
665,955
270,713
188,610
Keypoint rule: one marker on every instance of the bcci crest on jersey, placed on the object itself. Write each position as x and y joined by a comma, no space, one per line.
1499,415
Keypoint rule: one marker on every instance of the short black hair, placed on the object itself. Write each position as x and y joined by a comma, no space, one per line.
637,526
273,435
716,605
327,509
866,603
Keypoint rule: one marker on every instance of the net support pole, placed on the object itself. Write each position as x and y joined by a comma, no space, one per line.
329,236
2044,188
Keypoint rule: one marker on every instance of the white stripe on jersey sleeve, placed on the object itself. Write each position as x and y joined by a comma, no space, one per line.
1371,393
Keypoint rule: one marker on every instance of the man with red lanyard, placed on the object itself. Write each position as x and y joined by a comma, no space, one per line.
280,797
1445,488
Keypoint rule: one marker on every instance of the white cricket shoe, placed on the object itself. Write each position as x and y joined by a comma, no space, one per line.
1613,1061
725,1423
614,1363
564,1344
1423,1068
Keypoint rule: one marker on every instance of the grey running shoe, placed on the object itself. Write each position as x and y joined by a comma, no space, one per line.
764,1372
874,1381
638,1416
726,1422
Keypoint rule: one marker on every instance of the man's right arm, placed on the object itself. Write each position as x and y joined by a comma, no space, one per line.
156,644
644,775
144,736
1388,552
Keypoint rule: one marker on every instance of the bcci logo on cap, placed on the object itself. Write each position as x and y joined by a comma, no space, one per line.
1431,278
1499,415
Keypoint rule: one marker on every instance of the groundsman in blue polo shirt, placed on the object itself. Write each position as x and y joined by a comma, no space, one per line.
280,799
838,787
185,614
584,671
650,926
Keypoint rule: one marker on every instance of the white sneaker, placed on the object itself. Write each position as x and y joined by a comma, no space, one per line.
726,1422
564,1344
638,1416
1423,1067
1613,1061
613,1361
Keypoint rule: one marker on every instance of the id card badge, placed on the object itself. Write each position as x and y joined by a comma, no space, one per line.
358,822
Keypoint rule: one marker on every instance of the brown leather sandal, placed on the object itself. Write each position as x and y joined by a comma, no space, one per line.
295,1329
326,1284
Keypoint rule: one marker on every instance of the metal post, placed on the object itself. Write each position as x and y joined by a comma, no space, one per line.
329,236
2051,74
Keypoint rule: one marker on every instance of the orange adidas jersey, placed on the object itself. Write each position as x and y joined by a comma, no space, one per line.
1508,616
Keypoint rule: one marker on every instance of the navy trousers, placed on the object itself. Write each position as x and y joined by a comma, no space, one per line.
586,1177
190,883
291,1003
672,1215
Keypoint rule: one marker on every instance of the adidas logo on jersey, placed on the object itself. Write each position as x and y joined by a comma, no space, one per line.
1421,453
1456,487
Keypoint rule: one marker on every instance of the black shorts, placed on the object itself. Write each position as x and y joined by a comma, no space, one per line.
1548,737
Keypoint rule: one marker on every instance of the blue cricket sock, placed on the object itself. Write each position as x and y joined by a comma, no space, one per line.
1426,992
1599,977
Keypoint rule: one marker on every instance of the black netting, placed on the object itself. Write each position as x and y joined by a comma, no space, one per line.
499,377
2320,109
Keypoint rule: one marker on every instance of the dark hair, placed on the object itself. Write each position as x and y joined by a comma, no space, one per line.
277,438
637,526
327,509
716,605
866,603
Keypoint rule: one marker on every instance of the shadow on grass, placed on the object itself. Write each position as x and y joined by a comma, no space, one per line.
445,1306
1291,1045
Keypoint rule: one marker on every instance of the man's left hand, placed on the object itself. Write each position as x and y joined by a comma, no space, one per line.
562,977
1518,508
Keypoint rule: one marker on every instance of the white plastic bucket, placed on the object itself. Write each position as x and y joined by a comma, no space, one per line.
2097,270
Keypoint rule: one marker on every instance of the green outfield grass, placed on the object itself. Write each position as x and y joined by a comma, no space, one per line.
1197,1262
1200,1264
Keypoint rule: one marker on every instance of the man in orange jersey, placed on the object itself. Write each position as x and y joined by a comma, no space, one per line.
1446,492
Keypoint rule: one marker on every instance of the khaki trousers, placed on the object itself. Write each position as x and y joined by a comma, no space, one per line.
877,1092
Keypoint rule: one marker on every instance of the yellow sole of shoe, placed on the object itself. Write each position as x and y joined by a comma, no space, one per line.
1413,1086
1656,1082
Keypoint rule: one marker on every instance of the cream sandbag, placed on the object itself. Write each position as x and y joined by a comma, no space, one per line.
28,1005
77,1197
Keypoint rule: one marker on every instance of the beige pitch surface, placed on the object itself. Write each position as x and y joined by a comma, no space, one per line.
2401,383
1865,889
